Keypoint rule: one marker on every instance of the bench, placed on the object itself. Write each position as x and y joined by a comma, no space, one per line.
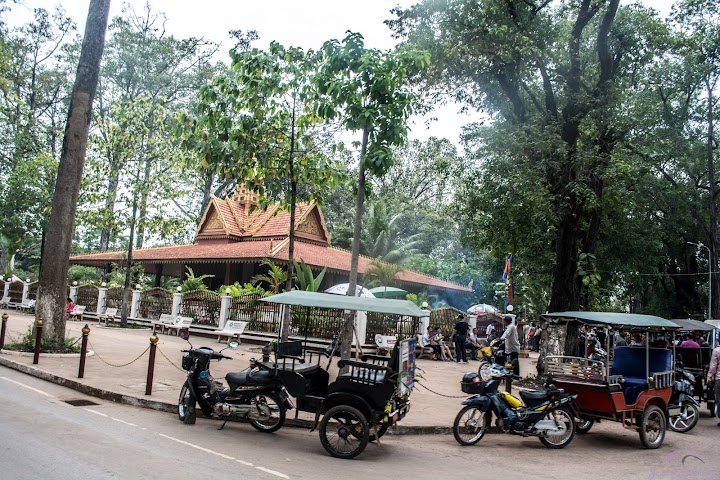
5,302
108,316
27,307
385,343
629,366
421,348
231,329
78,312
182,325
163,322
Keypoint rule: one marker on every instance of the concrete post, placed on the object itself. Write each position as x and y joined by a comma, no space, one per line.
135,304
472,321
177,302
102,296
360,328
26,292
225,302
424,322
73,293
6,292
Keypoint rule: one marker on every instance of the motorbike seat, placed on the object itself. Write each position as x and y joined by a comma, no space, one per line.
536,397
262,377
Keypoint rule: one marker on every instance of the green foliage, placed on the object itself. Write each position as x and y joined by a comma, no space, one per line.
237,290
380,273
306,279
275,277
26,343
192,283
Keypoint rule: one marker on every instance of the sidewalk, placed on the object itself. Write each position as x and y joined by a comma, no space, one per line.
118,372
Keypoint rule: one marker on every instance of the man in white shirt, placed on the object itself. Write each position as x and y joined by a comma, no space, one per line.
512,344
490,329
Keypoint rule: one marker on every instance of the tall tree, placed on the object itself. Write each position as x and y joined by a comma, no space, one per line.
257,125
369,91
52,291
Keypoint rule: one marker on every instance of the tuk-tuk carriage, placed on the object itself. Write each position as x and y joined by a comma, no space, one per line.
697,360
633,389
360,405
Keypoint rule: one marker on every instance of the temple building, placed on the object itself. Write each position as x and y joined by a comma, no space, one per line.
234,237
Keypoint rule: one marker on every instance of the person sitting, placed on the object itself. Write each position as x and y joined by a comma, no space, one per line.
690,341
472,344
428,340
70,306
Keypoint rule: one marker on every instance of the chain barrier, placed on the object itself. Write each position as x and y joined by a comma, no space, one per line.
441,394
112,365
166,358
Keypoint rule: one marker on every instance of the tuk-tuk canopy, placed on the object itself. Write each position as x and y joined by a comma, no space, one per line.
688,325
343,302
628,321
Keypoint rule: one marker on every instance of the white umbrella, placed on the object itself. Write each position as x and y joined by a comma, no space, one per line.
342,289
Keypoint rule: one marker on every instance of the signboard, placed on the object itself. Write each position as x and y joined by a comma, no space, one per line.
406,366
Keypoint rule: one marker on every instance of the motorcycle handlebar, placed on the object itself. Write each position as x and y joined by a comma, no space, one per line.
516,377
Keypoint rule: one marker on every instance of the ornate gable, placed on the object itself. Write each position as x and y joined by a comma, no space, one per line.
311,225
212,224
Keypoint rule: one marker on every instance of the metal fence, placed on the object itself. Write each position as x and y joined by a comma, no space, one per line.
32,291
316,322
154,302
261,316
114,297
445,318
384,324
15,293
203,306
87,295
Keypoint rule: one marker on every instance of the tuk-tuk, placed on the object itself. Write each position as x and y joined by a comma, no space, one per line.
633,389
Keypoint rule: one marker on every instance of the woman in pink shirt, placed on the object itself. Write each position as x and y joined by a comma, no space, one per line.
713,377
690,342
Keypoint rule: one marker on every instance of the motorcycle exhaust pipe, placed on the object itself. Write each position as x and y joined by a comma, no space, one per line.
550,428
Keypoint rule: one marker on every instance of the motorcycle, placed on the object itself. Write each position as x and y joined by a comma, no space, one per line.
547,414
683,402
255,394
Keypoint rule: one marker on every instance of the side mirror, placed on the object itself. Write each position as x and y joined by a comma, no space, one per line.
233,344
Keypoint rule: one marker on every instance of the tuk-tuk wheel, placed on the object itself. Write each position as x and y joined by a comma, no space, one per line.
583,426
344,432
652,427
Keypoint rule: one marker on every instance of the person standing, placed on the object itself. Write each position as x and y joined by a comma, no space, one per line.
538,337
460,334
472,344
512,344
713,379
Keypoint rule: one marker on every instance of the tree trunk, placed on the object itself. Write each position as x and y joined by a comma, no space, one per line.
52,292
349,325
142,209
713,289
552,340
291,234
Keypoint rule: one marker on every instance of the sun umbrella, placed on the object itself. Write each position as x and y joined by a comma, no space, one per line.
342,289
388,292
481,309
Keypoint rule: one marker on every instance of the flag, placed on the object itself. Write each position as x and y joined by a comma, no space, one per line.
506,272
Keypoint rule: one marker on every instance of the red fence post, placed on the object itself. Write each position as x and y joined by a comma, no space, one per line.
151,365
2,330
83,352
38,341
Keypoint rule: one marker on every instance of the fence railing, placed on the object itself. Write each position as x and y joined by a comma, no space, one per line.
16,291
203,306
445,318
114,297
383,324
316,322
87,295
154,302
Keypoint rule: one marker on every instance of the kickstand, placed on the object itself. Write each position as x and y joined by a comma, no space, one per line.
223,425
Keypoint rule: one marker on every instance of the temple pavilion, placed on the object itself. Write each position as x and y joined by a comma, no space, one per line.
234,236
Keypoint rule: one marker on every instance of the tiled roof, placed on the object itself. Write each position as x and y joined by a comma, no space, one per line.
315,255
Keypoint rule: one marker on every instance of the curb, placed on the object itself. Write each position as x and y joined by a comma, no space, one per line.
172,408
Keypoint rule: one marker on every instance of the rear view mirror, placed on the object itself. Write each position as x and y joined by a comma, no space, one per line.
233,344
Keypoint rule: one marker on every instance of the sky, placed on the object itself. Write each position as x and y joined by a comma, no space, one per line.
305,24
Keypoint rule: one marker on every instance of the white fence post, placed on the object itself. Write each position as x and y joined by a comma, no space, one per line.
6,292
424,322
177,302
101,300
135,304
225,302
26,292
73,293
360,328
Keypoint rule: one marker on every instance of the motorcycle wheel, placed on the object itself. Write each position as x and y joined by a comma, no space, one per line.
186,405
583,426
652,427
270,404
344,432
686,421
563,415
470,425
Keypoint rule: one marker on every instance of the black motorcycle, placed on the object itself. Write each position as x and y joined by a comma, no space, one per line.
255,394
547,414
684,410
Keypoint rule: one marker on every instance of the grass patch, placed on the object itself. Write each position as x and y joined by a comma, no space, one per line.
128,325
26,343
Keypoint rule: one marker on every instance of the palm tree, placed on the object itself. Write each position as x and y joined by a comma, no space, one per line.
275,277
382,239
381,273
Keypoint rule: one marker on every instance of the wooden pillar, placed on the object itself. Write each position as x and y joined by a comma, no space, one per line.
158,274
227,273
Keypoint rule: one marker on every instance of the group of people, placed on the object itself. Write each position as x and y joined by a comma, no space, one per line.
464,338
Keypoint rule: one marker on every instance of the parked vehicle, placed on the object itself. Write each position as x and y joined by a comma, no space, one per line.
547,414
683,402
255,395
635,392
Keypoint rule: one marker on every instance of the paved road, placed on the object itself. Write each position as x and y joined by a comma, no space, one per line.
42,436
